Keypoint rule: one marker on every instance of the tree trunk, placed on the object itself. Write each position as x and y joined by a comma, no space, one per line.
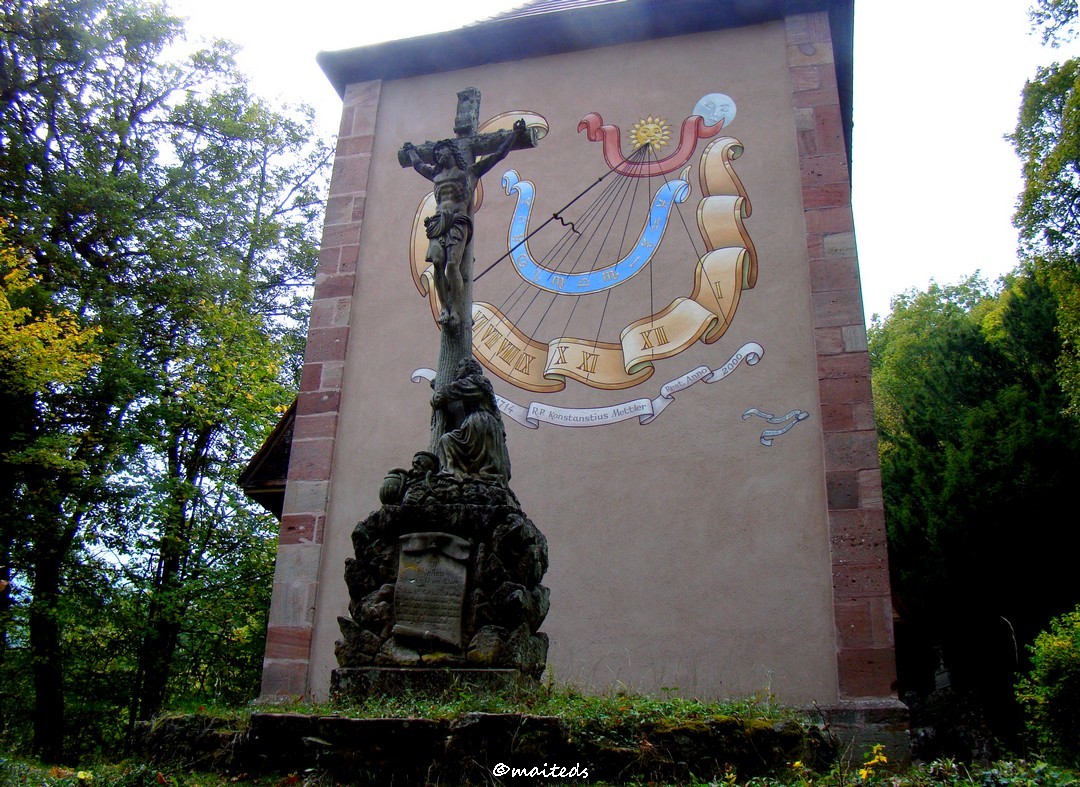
163,618
46,656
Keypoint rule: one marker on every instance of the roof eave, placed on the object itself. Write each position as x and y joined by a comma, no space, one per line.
568,30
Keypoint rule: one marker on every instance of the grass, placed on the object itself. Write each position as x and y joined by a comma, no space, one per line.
606,716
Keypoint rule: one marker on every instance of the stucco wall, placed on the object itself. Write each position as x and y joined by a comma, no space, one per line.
683,552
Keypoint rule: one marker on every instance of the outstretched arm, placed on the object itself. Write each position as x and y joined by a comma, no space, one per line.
427,170
481,167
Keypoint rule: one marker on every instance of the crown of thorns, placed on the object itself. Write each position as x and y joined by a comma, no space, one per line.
447,143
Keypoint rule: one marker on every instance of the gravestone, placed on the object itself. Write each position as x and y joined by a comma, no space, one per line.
429,594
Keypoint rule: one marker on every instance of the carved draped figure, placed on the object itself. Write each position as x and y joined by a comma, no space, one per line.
475,445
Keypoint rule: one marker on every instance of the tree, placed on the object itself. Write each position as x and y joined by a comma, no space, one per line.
974,449
1047,138
174,215
1057,18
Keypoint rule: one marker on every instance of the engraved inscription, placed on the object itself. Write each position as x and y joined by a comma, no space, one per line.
430,589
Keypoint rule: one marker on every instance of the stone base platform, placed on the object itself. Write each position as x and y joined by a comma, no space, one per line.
483,748
859,724
361,682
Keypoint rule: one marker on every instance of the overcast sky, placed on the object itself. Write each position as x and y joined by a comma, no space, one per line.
937,87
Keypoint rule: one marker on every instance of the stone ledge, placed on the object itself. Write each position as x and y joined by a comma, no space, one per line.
466,750
357,683
860,723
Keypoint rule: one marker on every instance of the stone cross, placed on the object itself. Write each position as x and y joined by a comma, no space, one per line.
455,166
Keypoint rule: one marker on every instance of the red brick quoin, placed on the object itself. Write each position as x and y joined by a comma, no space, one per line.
862,607
296,580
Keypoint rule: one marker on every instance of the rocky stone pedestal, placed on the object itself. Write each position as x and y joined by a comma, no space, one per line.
446,590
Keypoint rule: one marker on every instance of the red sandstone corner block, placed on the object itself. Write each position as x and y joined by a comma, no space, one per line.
309,427
837,417
350,255
809,55
329,260
864,624
854,625
346,125
338,210
859,580
340,235
842,489
851,450
288,642
327,312
853,548
846,391
821,170
350,175
284,679
824,97
830,130
866,524
862,416
855,338
311,460
338,286
318,402
843,365
812,28
828,341
300,529
311,377
870,488
867,672
829,220
832,275
326,344
363,99
355,146
805,78
827,196
837,307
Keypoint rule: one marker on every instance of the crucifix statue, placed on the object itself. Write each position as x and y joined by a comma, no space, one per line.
455,166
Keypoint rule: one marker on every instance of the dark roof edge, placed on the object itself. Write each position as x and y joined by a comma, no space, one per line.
589,27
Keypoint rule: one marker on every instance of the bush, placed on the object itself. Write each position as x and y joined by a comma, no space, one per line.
1050,694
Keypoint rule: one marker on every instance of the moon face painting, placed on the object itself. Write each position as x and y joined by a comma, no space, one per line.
714,108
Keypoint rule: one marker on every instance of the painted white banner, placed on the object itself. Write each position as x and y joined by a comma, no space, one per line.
645,410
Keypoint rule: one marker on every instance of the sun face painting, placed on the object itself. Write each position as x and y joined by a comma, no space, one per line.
656,133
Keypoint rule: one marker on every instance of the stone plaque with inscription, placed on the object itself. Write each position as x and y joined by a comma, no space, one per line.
430,589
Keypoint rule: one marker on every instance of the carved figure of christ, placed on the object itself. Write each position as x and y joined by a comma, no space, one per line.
454,166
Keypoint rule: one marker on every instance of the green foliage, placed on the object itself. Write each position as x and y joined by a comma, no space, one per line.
166,226
38,348
1050,692
1047,138
972,443
1057,20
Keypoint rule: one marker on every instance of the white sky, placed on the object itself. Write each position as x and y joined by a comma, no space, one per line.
937,86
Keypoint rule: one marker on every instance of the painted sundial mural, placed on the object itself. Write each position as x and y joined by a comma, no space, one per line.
659,185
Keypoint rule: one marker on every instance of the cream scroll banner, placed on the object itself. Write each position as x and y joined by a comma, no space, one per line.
645,410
